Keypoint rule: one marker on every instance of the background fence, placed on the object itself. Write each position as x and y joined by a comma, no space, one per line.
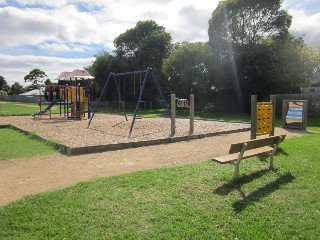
18,98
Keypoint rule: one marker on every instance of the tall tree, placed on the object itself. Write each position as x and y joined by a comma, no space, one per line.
248,22
35,76
241,33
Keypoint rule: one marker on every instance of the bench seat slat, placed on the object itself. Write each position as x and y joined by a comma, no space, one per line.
249,153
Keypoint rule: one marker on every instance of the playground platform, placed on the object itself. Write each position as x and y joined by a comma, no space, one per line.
110,132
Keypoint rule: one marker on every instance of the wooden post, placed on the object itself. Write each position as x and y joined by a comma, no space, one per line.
304,115
191,114
273,99
173,114
284,112
253,116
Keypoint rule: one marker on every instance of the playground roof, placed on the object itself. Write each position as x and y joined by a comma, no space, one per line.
77,74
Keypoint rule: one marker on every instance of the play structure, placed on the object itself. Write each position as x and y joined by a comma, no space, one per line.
115,78
294,114
181,103
262,116
73,94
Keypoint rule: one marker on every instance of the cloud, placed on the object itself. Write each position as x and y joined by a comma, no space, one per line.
48,3
307,26
193,24
310,7
16,67
56,47
65,23
32,26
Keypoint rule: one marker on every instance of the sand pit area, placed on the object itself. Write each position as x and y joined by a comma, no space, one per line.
107,129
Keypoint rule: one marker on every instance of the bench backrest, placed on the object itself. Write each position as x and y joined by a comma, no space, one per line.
256,143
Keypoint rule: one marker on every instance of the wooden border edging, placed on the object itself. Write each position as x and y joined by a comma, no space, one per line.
121,146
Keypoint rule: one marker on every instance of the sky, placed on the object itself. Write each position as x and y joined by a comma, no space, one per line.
62,35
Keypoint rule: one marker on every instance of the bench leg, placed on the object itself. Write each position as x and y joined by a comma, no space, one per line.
275,148
236,170
237,163
271,162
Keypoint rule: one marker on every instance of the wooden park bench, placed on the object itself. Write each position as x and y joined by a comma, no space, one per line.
251,148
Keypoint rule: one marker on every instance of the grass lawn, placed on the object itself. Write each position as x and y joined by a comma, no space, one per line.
197,201
16,145
20,109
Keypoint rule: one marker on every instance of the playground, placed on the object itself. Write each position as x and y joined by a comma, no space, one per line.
112,188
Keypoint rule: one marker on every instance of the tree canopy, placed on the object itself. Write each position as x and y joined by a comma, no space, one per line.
4,85
187,71
248,22
145,45
16,89
35,76
253,50
250,51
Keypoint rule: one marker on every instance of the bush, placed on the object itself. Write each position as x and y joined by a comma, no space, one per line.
316,108
2,92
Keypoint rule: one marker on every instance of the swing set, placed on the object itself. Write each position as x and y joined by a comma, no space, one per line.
116,77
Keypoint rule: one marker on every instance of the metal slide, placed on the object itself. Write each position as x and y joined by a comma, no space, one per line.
54,102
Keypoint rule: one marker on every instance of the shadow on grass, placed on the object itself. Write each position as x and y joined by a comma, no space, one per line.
235,184
266,158
256,195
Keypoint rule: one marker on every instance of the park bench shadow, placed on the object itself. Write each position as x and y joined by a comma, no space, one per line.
256,195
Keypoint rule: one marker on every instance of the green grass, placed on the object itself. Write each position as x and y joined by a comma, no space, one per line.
21,109
16,145
197,201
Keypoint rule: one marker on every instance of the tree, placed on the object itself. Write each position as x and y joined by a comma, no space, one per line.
101,68
16,89
35,76
293,65
243,35
145,45
4,85
248,22
187,71
315,58
31,87
48,82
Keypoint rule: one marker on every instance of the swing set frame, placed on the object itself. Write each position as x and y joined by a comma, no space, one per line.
148,73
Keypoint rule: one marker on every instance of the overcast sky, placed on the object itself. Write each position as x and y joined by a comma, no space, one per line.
60,35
